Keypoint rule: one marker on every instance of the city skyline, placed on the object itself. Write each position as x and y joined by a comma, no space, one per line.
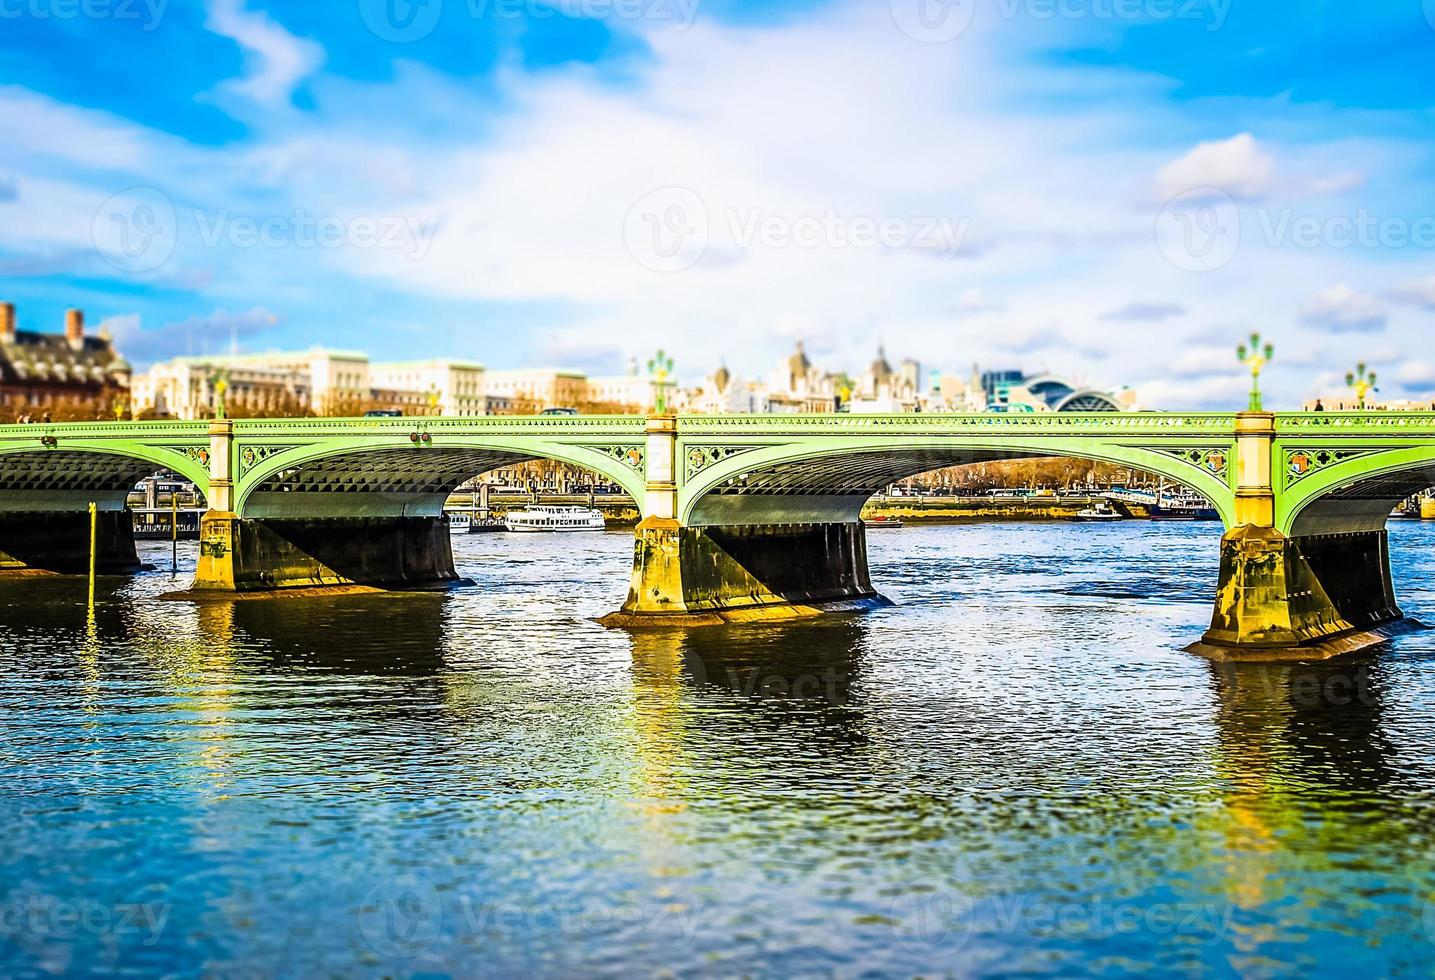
918,207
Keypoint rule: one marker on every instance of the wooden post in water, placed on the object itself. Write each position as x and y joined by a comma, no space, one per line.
173,533
94,541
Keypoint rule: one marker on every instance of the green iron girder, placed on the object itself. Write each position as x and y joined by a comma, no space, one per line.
1331,462
424,457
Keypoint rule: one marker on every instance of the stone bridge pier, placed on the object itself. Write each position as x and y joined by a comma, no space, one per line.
755,561
746,571
1297,578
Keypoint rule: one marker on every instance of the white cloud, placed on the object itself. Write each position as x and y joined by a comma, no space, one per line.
975,301
37,127
532,198
1416,374
1337,183
1144,312
1197,362
123,327
1417,292
1239,166
1341,309
275,60
1198,393
211,334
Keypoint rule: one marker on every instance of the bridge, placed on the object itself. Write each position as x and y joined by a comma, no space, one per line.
743,516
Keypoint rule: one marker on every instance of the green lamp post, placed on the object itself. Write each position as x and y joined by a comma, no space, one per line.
1362,381
660,369
1255,356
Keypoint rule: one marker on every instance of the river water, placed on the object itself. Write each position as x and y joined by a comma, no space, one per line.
1015,770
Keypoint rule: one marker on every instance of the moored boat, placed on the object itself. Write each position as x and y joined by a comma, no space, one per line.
1098,512
881,521
1184,511
553,518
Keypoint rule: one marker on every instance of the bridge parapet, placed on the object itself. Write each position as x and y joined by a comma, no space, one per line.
149,429
1064,423
1303,423
552,426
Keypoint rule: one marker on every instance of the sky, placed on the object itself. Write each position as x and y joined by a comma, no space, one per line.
1118,191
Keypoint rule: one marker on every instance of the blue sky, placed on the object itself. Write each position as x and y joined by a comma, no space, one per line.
1112,189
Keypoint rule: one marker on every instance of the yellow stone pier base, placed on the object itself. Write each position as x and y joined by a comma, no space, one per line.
241,555
699,575
1300,598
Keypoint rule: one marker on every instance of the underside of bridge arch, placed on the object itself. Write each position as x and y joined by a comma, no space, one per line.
1360,505
768,534
376,483
365,517
44,509
835,487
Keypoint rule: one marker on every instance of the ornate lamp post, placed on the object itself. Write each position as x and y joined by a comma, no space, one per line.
660,369
1255,356
1362,381
221,385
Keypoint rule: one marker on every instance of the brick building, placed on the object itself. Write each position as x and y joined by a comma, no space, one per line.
65,376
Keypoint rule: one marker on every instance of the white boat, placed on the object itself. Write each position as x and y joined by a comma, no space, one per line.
1100,512
545,518
458,521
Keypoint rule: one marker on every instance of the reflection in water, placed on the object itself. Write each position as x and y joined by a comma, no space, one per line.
1308,726
789,683
991,777
1293,739
379,633
1307,770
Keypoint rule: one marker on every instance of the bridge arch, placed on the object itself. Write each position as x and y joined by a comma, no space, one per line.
48,482
807,483
1347,490
80,467
393,474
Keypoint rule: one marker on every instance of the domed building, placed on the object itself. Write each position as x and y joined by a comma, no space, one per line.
723,393
798,387
1060,396
879,374
1015,391
885,390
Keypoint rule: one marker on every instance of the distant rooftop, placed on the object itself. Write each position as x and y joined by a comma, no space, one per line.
28,356
429,362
